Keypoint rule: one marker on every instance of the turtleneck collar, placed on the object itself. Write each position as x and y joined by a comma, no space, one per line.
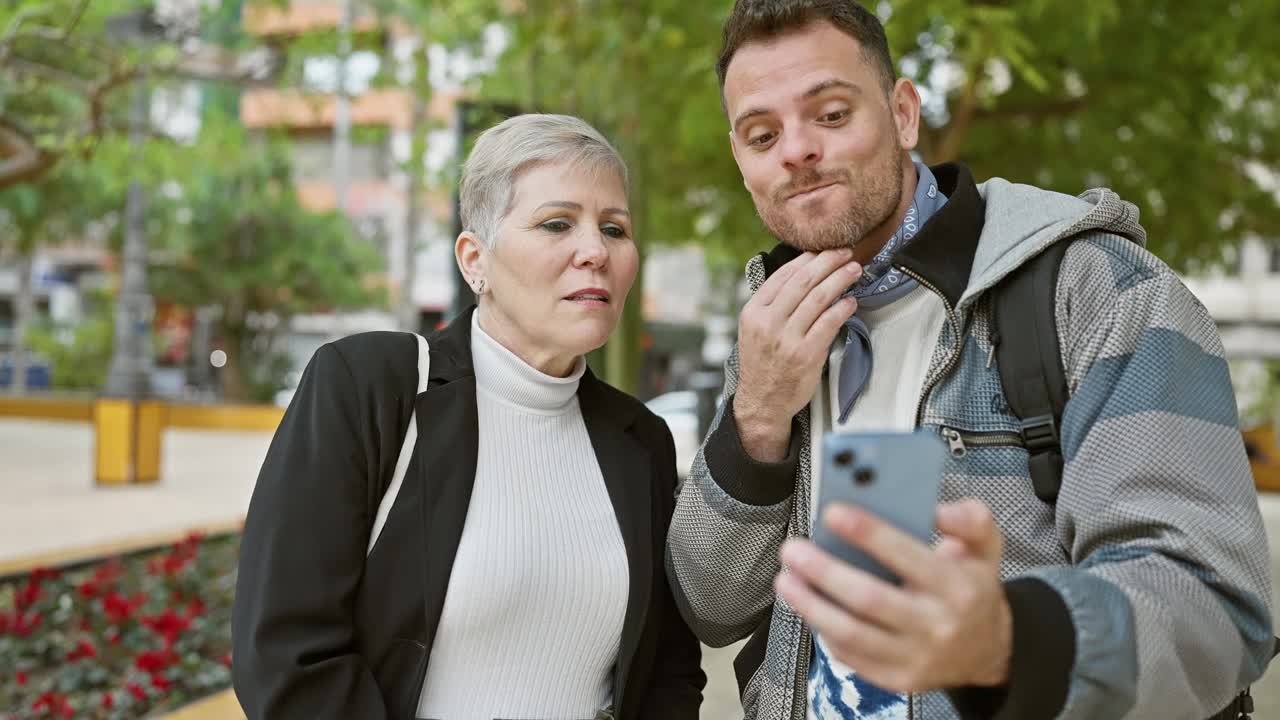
502,373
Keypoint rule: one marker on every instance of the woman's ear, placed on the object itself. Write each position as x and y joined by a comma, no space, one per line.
470,254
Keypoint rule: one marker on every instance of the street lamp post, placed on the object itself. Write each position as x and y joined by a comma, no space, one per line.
129,374
127,421
342,112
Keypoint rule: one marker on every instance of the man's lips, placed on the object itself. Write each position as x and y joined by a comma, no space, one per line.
801,194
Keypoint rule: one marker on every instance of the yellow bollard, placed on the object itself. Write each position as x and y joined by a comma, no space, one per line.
151,416
127,441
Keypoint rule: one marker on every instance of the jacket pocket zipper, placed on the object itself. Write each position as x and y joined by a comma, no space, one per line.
959,442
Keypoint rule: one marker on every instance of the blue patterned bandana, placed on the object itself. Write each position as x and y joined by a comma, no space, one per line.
882,283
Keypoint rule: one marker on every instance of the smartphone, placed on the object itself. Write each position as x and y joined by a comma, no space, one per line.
895,476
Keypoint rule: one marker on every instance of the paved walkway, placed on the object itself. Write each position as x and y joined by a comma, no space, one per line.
48,503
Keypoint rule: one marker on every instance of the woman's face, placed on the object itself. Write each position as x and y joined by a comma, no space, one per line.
561,267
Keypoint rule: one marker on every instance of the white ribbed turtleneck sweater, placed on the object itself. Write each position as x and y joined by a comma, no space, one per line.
533,616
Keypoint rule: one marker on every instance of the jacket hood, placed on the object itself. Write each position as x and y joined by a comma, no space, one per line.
1022,220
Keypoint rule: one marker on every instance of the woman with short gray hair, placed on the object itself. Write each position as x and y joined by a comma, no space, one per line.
471,526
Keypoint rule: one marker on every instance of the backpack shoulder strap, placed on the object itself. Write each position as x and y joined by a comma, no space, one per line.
1030,362
406,449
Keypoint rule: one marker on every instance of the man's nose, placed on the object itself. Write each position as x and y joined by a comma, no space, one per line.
801,148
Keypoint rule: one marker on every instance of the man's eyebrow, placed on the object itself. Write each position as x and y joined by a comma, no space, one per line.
816,89
747,115
826,85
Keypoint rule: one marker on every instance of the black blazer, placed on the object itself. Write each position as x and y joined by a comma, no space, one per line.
320,632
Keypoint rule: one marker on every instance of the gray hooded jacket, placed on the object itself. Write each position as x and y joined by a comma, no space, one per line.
1143,592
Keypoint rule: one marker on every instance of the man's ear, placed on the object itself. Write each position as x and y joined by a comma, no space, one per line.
904,103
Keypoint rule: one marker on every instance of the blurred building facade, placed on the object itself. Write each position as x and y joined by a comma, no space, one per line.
1245,303
377,182
676,288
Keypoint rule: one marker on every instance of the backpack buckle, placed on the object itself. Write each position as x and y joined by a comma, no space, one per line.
1040,434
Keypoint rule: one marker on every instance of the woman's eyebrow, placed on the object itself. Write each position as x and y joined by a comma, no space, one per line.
564,204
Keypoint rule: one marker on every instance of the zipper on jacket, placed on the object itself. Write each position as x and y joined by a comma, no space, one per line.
801,690
924,393
959,442
955,354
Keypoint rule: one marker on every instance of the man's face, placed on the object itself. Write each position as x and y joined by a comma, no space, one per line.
821,146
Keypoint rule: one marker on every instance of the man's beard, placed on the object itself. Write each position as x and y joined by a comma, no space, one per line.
876,192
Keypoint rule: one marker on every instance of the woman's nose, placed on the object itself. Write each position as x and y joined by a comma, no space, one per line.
591,250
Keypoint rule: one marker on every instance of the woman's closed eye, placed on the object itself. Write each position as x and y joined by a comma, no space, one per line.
560,226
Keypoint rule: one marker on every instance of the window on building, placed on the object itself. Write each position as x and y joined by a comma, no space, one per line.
313,157
320,73
373,228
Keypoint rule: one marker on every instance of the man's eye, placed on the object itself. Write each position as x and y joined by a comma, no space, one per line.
760,139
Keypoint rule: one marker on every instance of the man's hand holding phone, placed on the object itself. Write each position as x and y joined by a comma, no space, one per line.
947,625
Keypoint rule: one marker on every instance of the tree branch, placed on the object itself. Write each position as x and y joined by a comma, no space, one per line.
31,11
21,159
214,63
1054,108
75,19
147,133
44,35
48,72
98,95
953,137
11,31
207,62
927,142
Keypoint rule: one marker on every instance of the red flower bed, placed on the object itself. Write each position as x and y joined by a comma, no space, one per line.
125,638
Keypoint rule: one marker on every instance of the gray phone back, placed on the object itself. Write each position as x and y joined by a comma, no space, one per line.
895,476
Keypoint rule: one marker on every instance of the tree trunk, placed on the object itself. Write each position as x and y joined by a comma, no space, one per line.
952,141
24,314
421,88
622,354
342,112
234,387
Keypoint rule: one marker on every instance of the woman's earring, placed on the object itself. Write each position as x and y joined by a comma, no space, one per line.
480,287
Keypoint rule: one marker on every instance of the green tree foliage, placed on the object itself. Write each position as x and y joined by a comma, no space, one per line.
56,206
1169,103
66,66
78,355
242,242
1172,104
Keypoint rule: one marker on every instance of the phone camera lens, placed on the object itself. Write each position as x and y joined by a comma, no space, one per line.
844,458
863,476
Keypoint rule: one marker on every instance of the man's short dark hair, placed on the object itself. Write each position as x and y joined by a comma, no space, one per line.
755,20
